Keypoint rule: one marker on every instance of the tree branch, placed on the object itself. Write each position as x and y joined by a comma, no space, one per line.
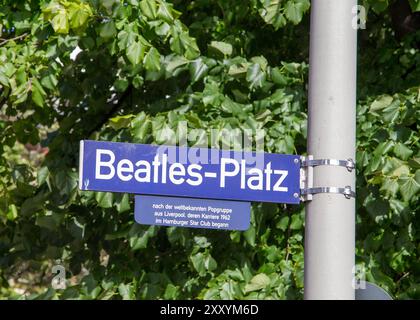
23,35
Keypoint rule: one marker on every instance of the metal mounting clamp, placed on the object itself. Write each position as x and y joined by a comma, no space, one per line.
349,163
307,189
346,191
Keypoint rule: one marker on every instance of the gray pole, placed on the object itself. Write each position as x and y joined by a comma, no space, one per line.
330,218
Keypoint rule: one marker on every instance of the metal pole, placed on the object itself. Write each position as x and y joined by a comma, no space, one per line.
330,218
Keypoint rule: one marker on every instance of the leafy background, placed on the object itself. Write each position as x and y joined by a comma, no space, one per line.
144,66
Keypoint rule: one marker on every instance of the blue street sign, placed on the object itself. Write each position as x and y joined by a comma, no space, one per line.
189,172
193,213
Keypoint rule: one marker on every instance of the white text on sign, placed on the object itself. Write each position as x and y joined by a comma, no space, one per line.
161,171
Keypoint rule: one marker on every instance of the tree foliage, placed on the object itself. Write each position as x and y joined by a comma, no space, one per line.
145,66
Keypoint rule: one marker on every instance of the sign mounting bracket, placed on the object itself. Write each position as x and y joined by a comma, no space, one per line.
307,190
349,163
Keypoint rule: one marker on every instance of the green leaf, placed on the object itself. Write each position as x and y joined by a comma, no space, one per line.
135,52
198,263
377,276
383,148
391,112
165,12
390,186
104,199
119,122
138,81
258,282
33,204
255,76
209,263
123,203
232,107
139,242
49,81
12,213
395,167
293,68
250,236
42,175
175,64
152,60
139,236
272,13
278,77
149,8
381,103
66,181
126,38
79,13
202,242
184,45
21,94
4,80
161,28
60,22
415,5
198,69
283,223
402,151
121,85
141,126
126,291
171,292
164,135
379,5
203,262
21,76
107,30
238,70
414,162
37,97
408,188
221,48
294,10
50,222
297,222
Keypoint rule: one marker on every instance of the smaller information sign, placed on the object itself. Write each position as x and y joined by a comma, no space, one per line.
194,213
